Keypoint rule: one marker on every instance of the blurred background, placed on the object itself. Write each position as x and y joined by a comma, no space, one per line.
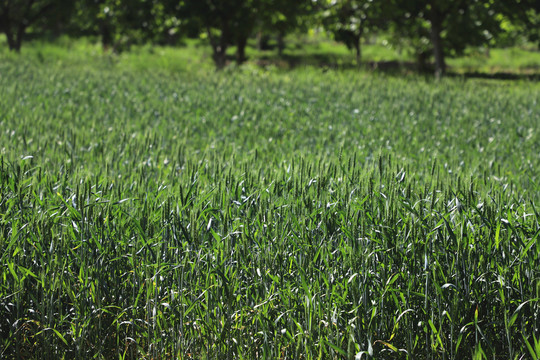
436,36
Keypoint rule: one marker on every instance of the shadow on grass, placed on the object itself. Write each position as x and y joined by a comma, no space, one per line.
497,75
393,67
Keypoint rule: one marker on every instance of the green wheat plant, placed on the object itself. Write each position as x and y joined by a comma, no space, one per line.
266,215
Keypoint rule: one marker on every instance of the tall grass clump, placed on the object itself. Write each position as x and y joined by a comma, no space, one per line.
260,215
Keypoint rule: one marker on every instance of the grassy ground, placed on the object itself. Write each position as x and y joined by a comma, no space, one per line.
301,50
150,211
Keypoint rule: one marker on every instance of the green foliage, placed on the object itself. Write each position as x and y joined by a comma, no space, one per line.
225,23
265,215
520,19
446,28
351,20
121,23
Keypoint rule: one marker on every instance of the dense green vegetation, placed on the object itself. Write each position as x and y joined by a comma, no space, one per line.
312,50
433,30
265,214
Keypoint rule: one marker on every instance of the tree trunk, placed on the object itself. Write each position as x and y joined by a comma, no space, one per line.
262,41
18,43
106,36
220,56
280,43
438,50
219,48
259,40
10,40
241,43
14,39
15,27
358,50
422,60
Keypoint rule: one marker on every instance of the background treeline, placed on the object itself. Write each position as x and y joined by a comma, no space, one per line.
432,29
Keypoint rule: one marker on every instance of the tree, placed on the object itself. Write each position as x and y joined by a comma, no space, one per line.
350,20
449,26
17,16
231,22
119,22
283,16
224,22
